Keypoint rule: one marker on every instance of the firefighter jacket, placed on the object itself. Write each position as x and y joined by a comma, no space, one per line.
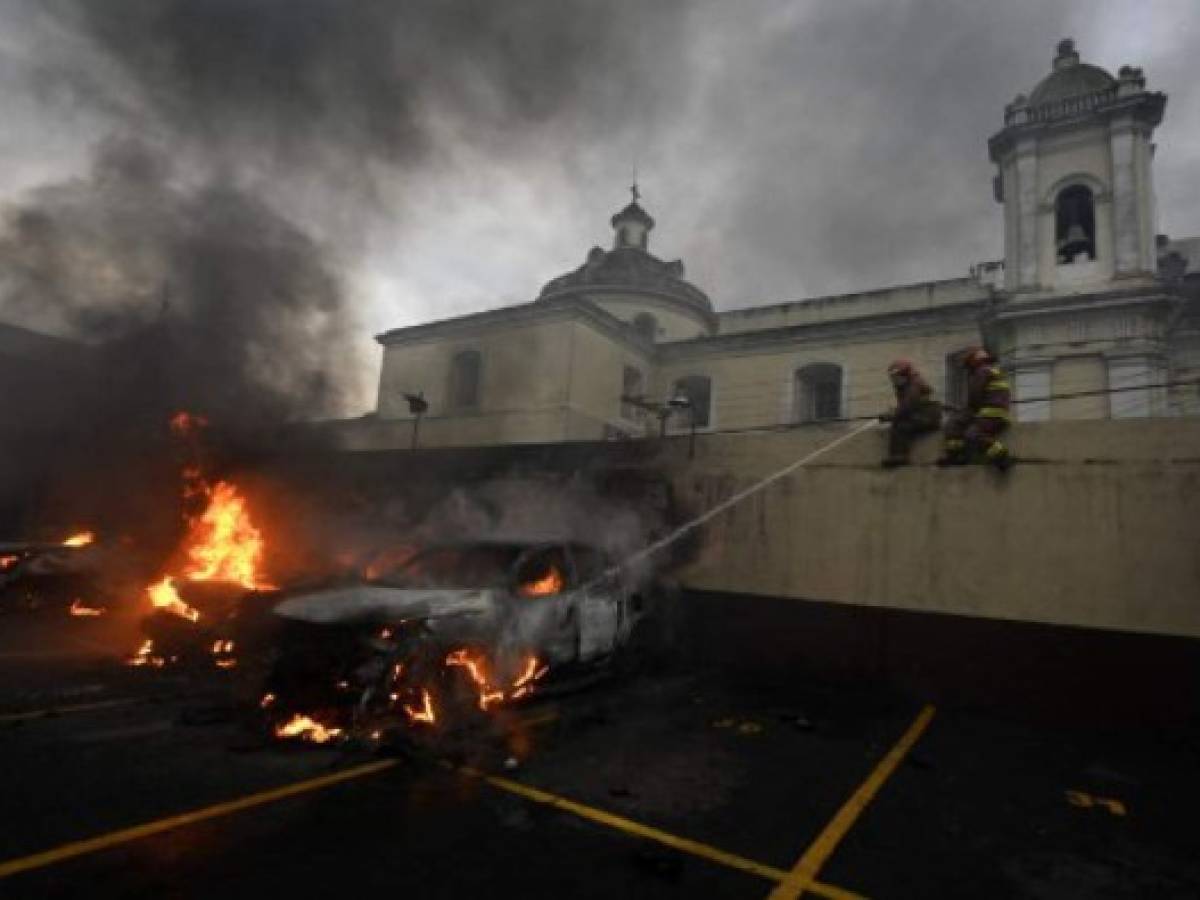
988,393
915,397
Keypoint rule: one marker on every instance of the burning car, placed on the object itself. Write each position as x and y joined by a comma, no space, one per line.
450,634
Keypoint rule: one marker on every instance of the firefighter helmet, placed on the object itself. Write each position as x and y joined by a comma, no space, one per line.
901,367
975,357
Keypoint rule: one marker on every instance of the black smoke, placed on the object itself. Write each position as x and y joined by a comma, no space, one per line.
192,268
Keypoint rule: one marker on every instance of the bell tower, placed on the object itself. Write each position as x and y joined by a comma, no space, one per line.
1074,172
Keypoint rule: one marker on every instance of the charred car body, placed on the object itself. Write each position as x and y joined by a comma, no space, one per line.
454,632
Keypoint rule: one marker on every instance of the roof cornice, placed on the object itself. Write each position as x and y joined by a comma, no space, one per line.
577,309
859,328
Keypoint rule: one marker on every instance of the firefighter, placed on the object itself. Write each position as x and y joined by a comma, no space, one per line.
973,433
915,413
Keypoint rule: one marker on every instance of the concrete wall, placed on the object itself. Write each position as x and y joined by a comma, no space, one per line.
597,367
1099,526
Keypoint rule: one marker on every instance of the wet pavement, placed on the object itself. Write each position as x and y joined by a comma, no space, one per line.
667,784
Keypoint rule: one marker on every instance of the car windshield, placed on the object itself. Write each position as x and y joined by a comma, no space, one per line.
455,567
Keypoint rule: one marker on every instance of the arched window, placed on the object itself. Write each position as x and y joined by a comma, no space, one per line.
646,325
1075,224
465,371
818,392
632,389
698,390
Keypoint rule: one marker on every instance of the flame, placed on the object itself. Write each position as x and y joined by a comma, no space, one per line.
425,712
306,728
79,608
223,650
222,545
550,583
80,540
476,668
524,683
7,561
225,545
145,656
489,695
164,596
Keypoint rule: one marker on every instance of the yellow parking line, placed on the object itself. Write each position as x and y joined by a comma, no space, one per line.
803,876
61,710
695,848
125,835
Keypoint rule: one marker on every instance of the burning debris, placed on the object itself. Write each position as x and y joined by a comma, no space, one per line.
79,608
307,729
489,695
80,540
222,549
53,571
145,656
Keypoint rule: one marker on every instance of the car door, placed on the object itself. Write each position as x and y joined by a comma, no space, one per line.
598,599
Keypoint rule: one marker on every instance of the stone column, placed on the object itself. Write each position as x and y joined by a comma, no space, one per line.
1125,218
1027,215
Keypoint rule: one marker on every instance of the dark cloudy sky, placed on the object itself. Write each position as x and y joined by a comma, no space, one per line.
452,156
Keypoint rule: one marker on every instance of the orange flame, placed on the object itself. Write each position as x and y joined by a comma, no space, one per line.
425,712
222,545
225,544
306,728
222,649
80,540
164,596
489,695
145,656
7,561
550,583
475,666
524,683
79,608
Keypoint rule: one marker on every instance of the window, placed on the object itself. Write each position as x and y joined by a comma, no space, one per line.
465,370
646,325
1075,225
819,392
632,387
956,380
698,389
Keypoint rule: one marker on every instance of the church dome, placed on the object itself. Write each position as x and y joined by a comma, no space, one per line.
629,268
1070,78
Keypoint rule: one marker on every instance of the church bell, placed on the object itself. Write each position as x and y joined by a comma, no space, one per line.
1075,241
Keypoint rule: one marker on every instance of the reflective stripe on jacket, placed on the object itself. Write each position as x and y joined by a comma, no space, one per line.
989,394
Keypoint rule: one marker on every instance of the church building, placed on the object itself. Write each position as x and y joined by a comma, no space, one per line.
1092,311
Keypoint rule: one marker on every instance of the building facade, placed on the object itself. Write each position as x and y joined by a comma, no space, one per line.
1095,313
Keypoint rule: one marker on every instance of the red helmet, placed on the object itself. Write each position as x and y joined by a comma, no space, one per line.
975,357
901,367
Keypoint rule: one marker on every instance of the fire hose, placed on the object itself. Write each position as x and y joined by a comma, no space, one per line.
713,512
